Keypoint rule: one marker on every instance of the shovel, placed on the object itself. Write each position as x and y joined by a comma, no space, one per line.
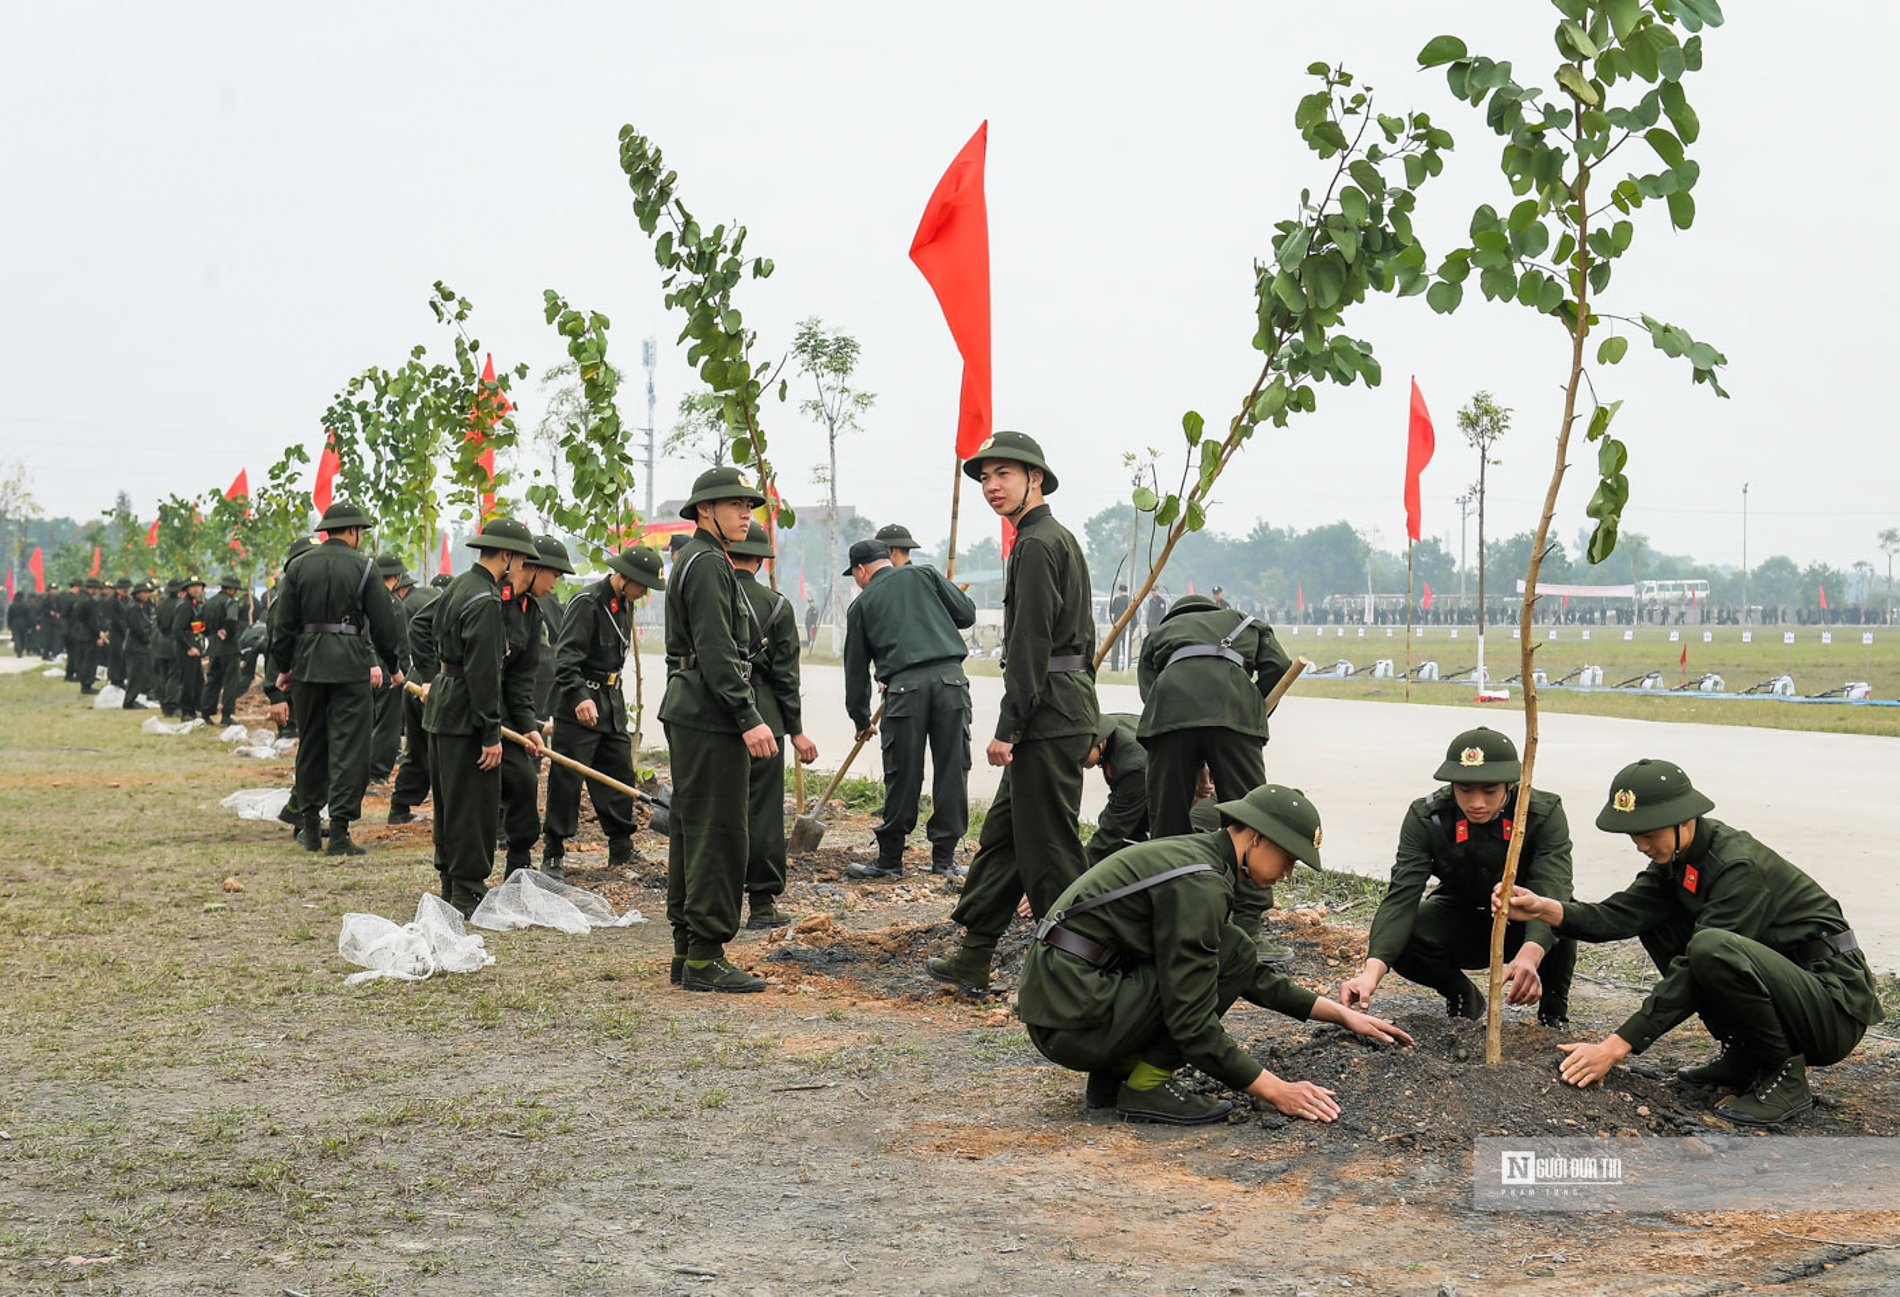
558,758
808,831
1275,694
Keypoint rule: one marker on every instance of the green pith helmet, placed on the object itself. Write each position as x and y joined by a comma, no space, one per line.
174,585
1190,603
755,545
342,514
123,583
301,545
897,536
441,580
145,587
505,533
1647,795
94,583
1019,446
1283,816
404,580
725,483
1481,756
388,565
186,583
640,565
230,581
552,554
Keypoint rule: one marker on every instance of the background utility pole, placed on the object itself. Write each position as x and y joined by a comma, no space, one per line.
1744,553
649,356
1464,513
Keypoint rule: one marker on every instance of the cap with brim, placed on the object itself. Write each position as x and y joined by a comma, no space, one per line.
94,583
1283,816
388,565
553,555
678,541
144,587
640,565
1481,756
866,551
755,545
1019,446
190,581
719,484
230,581
897,536
174,585
123,583
507,534
1648,795
441,580
343,514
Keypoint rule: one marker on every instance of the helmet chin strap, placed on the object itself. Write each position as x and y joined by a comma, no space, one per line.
1677,853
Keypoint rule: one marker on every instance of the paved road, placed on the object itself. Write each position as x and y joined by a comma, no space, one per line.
1829,802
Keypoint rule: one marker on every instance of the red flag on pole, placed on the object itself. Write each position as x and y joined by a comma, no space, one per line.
801,584
1419,444
1823,590
442,563
151,535
94,569
9,583
1190,587
327,466
1300,596
1426,603
490,408
240,485
1683,661
952,249
37,566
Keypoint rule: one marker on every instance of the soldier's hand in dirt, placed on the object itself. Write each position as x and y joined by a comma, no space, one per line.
1300,1099
375,677
1364,1024
587,712
1000,753
490,757
1585,1064
1526,986
1023,911
807,750
759,741
1358,992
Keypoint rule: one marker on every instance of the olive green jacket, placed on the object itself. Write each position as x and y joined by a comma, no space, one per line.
141,624
164,608
1178,927
1047,612
904,617
410,608
1728,882
1203,692
1467,859
327,585
226,613
521,661
772,644
596,635
471,641
706,624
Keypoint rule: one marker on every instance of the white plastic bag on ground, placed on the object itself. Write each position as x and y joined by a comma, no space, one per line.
435,941
262,753
260,736
257,803
54,673
111,698
233,734
530,899
153,725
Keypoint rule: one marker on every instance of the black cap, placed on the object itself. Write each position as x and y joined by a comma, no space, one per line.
867,551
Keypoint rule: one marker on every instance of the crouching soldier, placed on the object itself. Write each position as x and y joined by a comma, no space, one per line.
1459,835
1742,937
1123,761
1137,961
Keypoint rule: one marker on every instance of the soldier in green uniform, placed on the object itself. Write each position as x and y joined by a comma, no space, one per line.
553,615
904,625
899,541
1118,753
464,711
335,634
1137,961
165,650
140,627
713,732
87,627
117,600
1742,937
1459,835
1029,845
771,648
521,670
188,635
69,627
418,664
225,615
386,731
590,708
279,699
1203,673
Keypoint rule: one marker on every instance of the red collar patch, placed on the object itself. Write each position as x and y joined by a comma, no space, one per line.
613,604
1463,831
1507,830
1690,877
507,594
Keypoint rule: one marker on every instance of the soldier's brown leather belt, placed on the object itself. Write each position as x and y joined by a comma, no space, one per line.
330,628
1822,949
1051,933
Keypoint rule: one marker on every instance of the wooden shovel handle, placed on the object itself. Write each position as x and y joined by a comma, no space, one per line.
559,759
850,756
1286,682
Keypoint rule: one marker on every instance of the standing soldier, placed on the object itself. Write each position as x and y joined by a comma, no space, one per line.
553,616
225,618
64,609
590,710
1203,673
418,664
335,633
521,668
464,711
905,626
771,649
279,699
88,626
1118,753
1459,835
386,732
188,635
20,621
117,604
1118,652
1029,845
898,540
140,627
713,731
1743,938
165,650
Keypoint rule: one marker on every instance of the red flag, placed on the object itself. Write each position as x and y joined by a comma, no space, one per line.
37,566
9,583
1426,603
1683,661
1190,587
327,466
240,485
151,535
1300,595
94,569
490,407
1567,602
1419,444
952,249
442,564
1823,590
1692,596
801,583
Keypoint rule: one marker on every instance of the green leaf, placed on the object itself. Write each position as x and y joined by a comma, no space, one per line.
1293,248
1352,204
1196,515
1192,424
1602,541
1681,116
1414,170
1580,40
1439,50
1324,279
1523,215
1170,510
1681,210
1571,78
1146,500
1620,236
1612,350
1612,455
1443,297
1624,15
1600,419
1270,402
1288,290
1666,146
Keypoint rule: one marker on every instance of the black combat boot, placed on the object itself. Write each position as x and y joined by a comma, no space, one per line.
310,835
554,859
887,863
519,858
340,843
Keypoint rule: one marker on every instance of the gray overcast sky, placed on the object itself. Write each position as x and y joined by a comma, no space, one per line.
214,214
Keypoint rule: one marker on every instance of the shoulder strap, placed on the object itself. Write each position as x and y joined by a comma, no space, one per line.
1096,902
363,585
684,566
771,618
1227,641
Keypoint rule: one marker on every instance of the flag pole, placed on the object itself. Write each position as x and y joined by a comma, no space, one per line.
956,505
1409,543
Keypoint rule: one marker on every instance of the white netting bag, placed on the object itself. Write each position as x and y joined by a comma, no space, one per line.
530,899
233,734
153,725
54,673
257,803
435,941
111,698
